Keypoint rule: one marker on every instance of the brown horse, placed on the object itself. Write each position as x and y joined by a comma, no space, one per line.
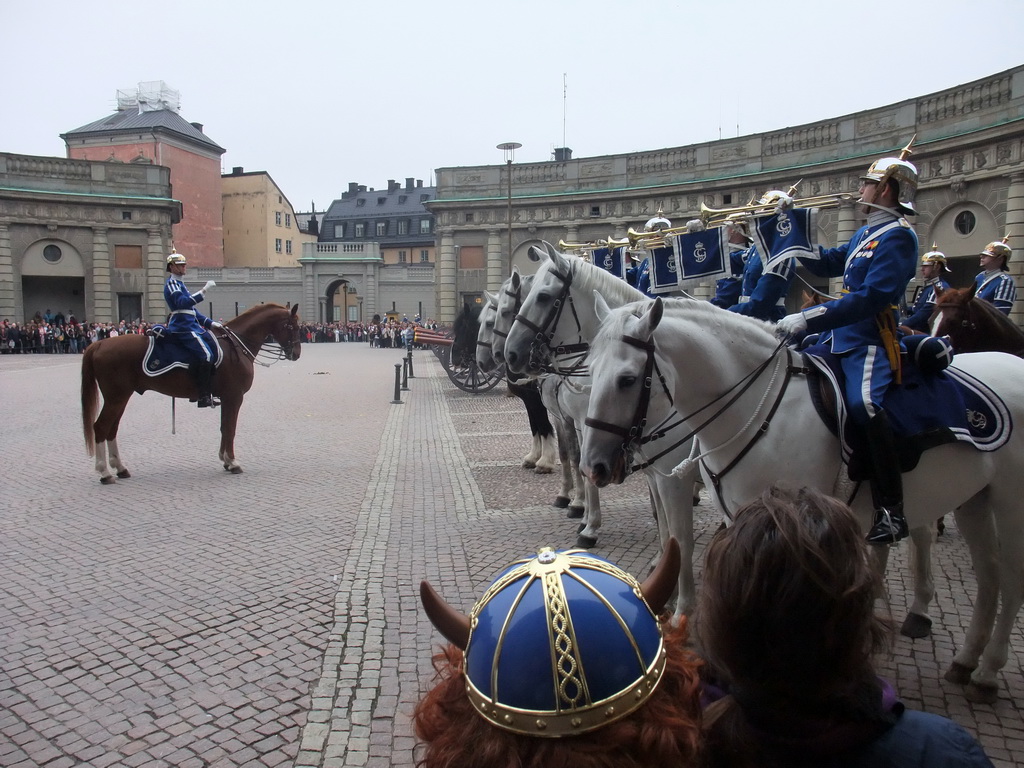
973,324
115,365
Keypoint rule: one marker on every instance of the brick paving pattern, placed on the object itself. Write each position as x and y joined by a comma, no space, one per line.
188,617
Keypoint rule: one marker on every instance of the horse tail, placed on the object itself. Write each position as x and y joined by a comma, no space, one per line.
89,399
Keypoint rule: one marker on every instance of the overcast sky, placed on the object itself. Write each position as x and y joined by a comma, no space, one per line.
319,94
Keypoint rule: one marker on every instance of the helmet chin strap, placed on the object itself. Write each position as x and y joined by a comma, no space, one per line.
895,212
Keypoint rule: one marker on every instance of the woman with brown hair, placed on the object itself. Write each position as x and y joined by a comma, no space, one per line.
563,663
786,619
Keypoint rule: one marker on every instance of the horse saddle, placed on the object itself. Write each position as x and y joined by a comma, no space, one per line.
929,408
167,351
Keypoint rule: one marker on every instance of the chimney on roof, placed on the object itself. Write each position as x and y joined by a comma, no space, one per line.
238,170
393,185
409,182
197,126
419,183
562,154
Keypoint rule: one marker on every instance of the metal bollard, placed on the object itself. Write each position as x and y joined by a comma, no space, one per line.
405,375
409,357
398,383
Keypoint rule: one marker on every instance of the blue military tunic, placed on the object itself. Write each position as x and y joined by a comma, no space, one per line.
763,295
185,322
924,306
877,265
728,289
640,277
998,288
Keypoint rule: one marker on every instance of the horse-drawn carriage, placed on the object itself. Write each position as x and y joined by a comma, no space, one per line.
460,365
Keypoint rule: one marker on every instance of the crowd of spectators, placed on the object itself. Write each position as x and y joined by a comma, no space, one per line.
388,333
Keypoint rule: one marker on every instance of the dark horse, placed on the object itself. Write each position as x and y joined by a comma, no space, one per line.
973,324
115,366
466,329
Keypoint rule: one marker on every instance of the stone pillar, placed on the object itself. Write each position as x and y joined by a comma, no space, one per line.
7,308
495,264
100,303
1015,228
446,271
154,308
572,233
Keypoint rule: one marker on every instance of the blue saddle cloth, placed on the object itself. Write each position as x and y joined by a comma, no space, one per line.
167,352
925,410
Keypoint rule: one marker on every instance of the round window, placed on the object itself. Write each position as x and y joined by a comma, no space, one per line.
52,253
965,222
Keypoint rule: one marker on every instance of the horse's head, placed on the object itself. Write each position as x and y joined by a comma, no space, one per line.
465,330
621,366
510,301
485,333
973,324
537,330
952,315
287,333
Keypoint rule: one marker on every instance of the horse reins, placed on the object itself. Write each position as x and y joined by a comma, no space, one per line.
544,333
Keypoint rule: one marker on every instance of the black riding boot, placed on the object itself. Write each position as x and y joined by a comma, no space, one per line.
203,375
886,483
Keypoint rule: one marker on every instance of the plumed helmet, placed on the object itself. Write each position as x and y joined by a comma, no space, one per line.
175,258
935,256
657,223
901,171
562,643
999,248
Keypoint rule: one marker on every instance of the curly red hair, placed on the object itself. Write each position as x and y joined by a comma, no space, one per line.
666,730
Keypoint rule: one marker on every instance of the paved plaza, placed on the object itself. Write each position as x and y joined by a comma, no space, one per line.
189,617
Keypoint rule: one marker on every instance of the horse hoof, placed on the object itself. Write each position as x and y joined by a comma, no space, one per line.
958,673
561,502
542,470
977,693
916,626
529,465
124,473
108,480
575,513
586,542
235,470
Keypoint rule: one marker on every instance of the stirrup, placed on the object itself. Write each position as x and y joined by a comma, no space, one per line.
889,528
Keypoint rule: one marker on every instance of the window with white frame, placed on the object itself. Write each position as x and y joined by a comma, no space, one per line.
277,244
424,255
403,227
360,230
287,246
401,257
382,228
339,231
424,226
287,219
277,218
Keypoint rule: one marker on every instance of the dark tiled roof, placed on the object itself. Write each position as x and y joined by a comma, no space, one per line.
133,120
381,203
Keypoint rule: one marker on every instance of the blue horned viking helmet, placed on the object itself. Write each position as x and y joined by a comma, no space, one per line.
561,643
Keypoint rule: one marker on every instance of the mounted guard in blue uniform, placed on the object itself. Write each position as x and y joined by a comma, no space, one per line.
728,289
861,325
994,284
763,294
640,276
188,328
932,265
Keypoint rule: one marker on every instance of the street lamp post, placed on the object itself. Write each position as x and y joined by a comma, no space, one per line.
509,148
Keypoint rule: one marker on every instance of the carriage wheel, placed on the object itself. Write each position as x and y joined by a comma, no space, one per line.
468,377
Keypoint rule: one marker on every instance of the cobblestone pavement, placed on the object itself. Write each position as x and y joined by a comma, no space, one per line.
188,617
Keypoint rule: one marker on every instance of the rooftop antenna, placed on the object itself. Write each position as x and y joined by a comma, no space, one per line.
565,96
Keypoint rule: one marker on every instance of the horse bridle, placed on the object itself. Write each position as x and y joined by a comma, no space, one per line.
544,333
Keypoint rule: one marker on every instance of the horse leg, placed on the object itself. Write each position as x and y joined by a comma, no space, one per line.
977,525
984,686
548,458
565,493
674,496
115,459
578,505
228,424
587,536
105,432
918,624
530,459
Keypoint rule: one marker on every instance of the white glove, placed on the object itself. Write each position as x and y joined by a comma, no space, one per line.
791,325
695,225
785,203
214,324
209,284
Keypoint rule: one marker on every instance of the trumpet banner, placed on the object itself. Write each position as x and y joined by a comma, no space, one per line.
787,235
611,260
691,258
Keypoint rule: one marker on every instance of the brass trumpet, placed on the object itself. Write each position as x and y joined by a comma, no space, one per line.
592,246
718,216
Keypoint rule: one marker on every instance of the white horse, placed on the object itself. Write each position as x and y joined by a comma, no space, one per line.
552,331
571,494
730,376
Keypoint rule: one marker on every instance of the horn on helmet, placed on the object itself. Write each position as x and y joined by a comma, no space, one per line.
449,622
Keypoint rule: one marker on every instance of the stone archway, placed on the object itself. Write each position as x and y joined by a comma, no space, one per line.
336,301
53,278
961,231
